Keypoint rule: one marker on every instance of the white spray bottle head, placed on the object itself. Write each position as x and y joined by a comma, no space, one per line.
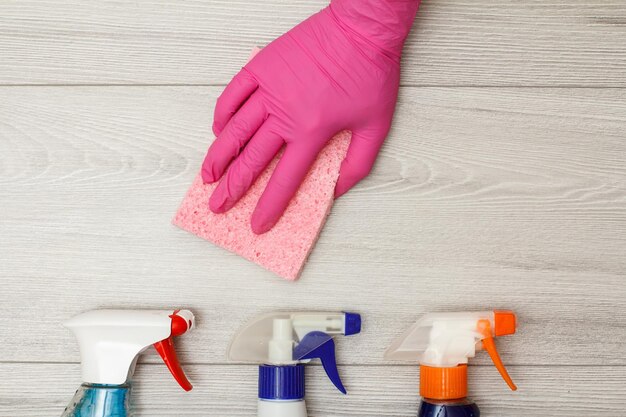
111,340
442,343
294,338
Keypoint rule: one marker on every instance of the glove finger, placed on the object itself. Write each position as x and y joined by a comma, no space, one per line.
244,171
235,135
359,160
232,98
285,181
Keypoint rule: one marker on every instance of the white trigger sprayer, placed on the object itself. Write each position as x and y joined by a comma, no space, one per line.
110,342
443,343
281,343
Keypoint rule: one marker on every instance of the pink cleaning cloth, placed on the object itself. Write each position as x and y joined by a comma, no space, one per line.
286,247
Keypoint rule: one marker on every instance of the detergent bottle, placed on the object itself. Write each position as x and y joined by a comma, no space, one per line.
282,343
442,343
110,342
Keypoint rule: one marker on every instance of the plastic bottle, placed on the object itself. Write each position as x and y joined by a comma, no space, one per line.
442,344
282,343
110,342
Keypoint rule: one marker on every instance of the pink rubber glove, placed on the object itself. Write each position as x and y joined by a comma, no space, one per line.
339,69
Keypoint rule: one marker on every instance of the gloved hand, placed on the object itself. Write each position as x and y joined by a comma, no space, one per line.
339,69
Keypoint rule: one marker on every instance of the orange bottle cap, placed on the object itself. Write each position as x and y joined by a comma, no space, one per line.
443,383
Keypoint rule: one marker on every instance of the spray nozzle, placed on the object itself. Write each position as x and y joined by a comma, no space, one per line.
443,343
111,340
292,338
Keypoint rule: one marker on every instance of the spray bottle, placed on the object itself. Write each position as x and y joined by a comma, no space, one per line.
442,343
110,342
282,343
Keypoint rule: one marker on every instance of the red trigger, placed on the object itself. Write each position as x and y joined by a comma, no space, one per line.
168,353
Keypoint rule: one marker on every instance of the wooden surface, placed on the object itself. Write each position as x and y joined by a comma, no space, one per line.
455,42
502,184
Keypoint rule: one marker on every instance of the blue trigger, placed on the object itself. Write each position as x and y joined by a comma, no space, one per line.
319,345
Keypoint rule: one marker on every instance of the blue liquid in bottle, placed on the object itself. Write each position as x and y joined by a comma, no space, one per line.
460,408
94,400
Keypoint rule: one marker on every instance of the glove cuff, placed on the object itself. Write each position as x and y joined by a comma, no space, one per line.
385,23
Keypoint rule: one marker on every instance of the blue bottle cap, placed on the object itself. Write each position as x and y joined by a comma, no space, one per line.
281,382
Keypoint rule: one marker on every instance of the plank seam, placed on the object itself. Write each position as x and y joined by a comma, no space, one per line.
459,86
342,365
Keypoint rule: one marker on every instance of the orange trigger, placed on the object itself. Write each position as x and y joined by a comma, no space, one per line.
484,327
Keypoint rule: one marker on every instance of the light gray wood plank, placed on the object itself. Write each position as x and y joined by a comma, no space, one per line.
482,198
43,389
455,42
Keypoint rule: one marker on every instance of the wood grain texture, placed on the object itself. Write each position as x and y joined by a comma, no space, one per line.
504,198
455,42
374,391
482,197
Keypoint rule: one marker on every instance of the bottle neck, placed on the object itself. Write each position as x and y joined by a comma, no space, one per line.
451,408
100,400
295,408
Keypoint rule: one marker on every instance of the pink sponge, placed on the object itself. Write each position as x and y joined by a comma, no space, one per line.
284,249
